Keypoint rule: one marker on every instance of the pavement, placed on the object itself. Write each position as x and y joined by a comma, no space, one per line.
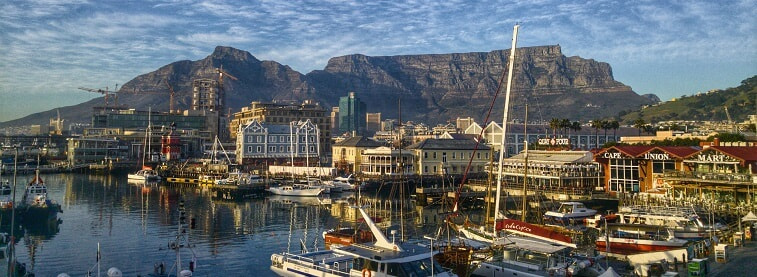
741,262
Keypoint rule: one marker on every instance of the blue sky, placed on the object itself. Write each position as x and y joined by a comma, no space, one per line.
48,48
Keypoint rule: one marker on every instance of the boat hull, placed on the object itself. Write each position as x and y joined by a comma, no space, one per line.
631,246
297,192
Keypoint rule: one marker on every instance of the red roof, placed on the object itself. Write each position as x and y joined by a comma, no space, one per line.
746,153
632,150
680,151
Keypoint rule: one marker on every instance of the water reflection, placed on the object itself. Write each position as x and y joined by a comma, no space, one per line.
133,223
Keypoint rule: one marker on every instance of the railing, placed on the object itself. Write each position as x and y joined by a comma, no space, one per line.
731,178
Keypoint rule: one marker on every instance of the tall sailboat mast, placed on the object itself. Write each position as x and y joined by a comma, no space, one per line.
511,65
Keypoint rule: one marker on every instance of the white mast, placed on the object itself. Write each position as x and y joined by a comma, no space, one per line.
511,65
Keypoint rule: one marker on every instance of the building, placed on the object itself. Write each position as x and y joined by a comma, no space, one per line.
283,114
334,120
449,156
83,151
638,168
346,154
372,123
260,143
208,97
204,123
556,174
351,115
385,161
464,123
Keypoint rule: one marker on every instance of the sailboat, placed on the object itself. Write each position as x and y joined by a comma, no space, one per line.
181,241
146,173
379,258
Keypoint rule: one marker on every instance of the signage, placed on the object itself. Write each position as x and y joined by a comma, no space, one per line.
520,227
613,155
714,158
554,141
657,156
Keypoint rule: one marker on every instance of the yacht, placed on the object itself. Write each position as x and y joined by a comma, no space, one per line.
683,221
569,213
144,174
295,190
380,258
637,238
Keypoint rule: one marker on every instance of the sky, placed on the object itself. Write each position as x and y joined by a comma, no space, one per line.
49,48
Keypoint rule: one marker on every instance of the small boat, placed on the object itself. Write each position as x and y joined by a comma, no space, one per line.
144,174
35,202
683,221
569,213
345,183
295,190
380,258
637,238
339,237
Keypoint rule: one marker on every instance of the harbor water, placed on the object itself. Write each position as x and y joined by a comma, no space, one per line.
134,223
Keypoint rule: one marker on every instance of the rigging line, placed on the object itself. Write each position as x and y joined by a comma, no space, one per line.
480,136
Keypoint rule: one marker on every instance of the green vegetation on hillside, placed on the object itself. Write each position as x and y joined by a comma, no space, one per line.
740,102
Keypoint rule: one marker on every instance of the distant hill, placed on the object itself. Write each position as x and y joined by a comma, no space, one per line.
705,106
434,88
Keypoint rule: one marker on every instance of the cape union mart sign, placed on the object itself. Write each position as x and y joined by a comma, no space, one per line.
554,141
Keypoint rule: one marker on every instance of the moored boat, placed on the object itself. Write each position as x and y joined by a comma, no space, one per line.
637,238
382,258
569,213
295,190
145,174
35,203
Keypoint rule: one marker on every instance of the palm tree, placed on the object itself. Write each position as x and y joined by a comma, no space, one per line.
554,124
639,124
606,126
614,125
564,125
596,124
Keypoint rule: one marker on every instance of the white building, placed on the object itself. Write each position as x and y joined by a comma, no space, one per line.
294,142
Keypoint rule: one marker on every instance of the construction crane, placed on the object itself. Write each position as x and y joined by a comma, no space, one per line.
734,129
170,90
221,74
105,92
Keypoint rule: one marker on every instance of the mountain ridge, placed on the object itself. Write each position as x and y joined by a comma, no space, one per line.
434,88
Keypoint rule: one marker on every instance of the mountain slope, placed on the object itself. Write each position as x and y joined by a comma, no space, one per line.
706,106
433,88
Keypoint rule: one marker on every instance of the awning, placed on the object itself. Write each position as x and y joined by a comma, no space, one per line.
749,217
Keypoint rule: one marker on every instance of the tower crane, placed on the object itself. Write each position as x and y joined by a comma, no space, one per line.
734,129
170,90
105,92
221,74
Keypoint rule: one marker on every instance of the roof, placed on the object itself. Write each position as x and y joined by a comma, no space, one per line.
556,156
746,153
358,141
680,151
448,144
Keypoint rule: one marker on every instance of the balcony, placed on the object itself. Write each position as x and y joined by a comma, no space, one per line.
711,177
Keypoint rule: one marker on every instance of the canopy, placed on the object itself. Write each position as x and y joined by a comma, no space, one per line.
749,217
609,273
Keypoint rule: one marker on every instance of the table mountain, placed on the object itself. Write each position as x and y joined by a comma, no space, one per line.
434,88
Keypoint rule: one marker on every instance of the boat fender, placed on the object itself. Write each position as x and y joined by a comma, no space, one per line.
365,270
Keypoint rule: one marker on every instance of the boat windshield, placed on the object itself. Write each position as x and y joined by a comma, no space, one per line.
417,268
566,208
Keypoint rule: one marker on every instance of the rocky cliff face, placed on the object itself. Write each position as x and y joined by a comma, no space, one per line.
432,88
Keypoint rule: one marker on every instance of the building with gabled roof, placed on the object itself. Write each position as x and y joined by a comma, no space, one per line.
346,154
449,156
557,174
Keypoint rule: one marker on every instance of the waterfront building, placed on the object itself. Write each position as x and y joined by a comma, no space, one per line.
280,113
630,169
202,123
347,153
385,161
259,143
372,122
555,174
351,114
449,156
82,151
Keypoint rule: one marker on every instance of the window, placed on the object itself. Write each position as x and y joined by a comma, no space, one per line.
249,149
281,149
453,155
312,139
434,169
478,155
271,149
434,158
272,138
444,157
312,149
425,169
258,149
249,138
289,149
425,155
260,138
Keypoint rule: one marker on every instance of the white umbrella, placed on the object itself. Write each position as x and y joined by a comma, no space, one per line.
749,217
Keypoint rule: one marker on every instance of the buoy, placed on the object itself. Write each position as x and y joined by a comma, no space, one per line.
185,273
114,272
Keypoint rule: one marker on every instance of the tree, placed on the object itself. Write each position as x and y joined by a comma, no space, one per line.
554,124
614,125
596,124
639,124
564,125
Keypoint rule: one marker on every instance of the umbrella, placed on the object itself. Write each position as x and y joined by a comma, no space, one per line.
749,217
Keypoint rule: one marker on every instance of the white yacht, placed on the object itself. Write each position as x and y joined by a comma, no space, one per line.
569,213
295,190
144,174
380,258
